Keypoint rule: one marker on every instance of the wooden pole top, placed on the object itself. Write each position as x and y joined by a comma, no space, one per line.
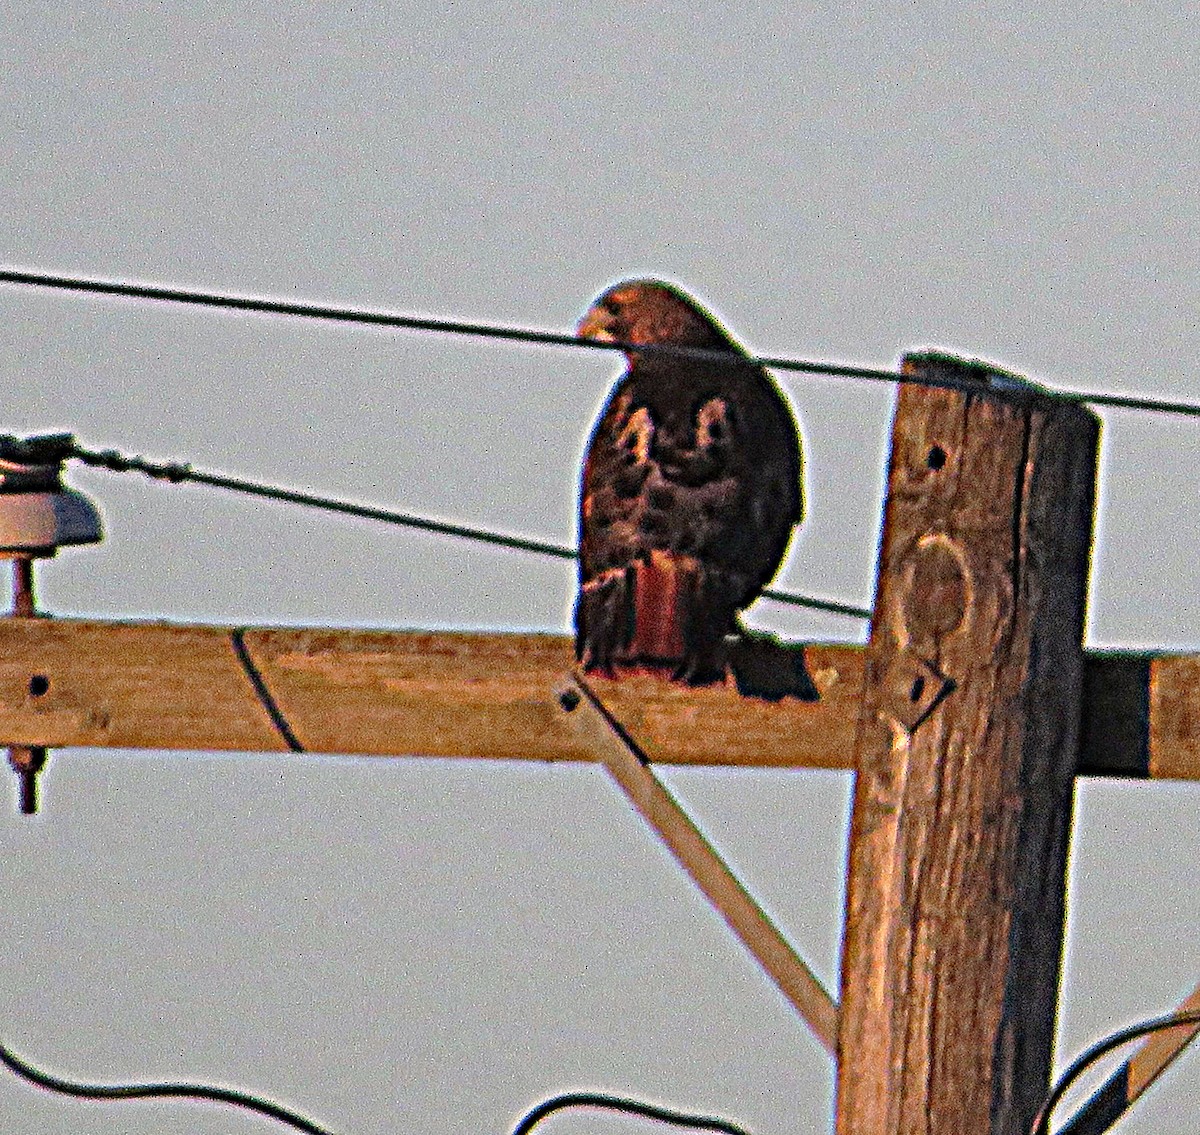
967,748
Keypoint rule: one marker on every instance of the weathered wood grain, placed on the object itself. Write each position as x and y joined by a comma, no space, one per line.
967,749
139,685
457,694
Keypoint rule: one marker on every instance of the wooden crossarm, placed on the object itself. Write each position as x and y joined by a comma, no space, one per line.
73,682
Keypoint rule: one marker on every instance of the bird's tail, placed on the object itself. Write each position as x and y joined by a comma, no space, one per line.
663,589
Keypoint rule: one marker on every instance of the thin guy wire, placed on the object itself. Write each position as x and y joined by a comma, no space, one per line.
160,1091
1041,1124
629,1107
238,640
175,473
545,338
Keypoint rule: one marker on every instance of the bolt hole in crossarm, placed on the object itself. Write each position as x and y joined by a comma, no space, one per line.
39,685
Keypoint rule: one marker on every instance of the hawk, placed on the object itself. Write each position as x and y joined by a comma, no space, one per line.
691,489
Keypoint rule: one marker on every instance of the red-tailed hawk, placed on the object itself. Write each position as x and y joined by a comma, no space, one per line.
691,489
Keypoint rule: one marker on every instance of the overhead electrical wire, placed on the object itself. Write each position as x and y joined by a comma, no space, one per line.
202,1092
176,473
370,317
401,322
1041,1124
626,1106
281,1114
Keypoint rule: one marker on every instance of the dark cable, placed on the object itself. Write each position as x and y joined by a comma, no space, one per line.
1125,402
812,604
161,1091
545,338
1041,1125
175,473
628,1106
415,323
238,639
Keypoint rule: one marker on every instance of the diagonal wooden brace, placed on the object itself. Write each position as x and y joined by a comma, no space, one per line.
627,765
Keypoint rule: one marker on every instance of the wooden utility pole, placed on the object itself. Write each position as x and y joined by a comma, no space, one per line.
967,746
967,718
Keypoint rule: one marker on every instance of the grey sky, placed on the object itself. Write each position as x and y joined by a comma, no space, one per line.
425,946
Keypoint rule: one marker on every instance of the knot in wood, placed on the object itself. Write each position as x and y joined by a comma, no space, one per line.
933,601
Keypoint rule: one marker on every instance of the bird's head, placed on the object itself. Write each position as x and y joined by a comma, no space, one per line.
649,312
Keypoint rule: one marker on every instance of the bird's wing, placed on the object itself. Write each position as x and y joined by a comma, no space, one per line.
719,480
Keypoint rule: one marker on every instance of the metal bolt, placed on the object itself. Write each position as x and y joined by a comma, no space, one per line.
24,606
27,761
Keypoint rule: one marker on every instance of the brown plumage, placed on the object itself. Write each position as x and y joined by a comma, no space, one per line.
691,489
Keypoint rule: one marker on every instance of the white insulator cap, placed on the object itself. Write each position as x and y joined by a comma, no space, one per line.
38,523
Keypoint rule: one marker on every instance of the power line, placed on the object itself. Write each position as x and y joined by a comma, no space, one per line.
160,1091
627,1106
1041,1125
370,317
1124,402
175,473
412,322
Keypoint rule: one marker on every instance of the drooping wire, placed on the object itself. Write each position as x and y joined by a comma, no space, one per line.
175,473
1041,1124
279,1113
628,1107
369,317
203,1092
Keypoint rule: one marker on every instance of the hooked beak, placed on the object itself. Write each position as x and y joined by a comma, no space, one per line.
596,324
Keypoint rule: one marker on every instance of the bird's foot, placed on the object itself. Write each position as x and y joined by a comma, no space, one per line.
603,620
